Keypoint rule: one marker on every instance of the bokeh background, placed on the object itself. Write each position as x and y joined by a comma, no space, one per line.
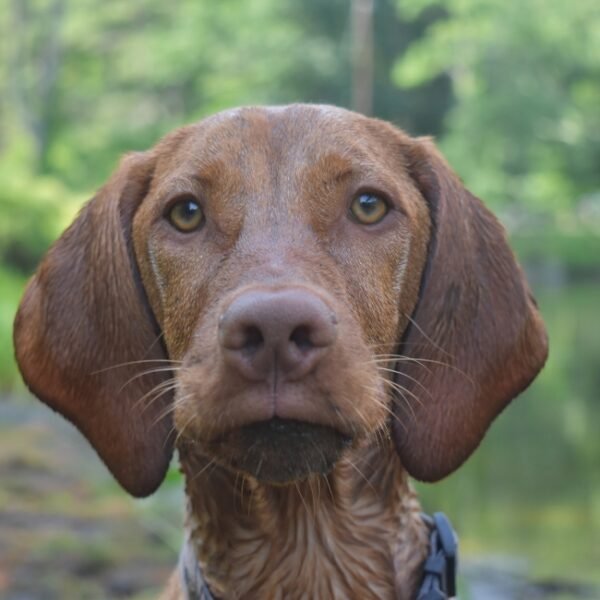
511,91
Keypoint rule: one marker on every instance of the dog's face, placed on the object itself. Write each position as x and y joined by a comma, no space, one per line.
318,234
313,278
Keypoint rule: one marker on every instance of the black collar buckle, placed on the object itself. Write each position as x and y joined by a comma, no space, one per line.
439,569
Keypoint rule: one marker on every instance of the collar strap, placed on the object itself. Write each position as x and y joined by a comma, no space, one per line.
192,582
439,568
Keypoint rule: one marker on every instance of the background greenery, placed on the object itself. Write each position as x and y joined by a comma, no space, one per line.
511,90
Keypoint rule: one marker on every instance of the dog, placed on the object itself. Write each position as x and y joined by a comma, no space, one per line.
310,307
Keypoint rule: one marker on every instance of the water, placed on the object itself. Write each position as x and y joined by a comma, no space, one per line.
527,502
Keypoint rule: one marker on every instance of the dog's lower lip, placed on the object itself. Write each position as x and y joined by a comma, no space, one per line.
277,425
280,451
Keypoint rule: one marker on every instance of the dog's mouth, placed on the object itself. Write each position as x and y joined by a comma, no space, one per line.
280,451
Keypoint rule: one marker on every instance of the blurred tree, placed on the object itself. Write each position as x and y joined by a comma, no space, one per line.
362,55
84,81
525,128
91,79
33,68
322,70
88,80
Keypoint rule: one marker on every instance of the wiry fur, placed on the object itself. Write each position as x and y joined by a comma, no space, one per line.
355,533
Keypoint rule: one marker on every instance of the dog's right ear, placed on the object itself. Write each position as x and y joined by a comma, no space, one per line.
85,334
476,338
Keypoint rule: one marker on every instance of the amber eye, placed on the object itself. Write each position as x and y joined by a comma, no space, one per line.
186,214
369,209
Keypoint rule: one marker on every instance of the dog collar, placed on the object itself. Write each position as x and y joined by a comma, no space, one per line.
439,568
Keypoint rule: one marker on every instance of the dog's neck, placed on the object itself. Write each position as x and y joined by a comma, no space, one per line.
356,533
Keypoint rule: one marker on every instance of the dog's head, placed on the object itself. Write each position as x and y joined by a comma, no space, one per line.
273,285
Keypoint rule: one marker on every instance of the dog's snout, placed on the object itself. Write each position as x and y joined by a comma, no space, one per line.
266,333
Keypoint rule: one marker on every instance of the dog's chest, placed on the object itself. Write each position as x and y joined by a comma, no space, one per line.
308,548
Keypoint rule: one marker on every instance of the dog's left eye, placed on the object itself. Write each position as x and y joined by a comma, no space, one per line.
369,209
186,214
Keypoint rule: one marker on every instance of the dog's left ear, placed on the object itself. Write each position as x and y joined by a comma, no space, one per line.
85,337
475,340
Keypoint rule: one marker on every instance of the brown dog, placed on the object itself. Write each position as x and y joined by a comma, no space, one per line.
308,305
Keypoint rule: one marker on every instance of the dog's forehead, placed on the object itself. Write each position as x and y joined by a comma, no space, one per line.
257,140
304,120
264,164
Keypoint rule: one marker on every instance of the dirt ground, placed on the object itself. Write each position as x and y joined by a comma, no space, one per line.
66,530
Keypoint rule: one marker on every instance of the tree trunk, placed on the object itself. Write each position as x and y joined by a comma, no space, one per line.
362,55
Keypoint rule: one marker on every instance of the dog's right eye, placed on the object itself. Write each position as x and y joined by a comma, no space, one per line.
186,214
369,209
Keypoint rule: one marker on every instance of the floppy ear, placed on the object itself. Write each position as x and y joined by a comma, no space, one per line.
83,327
476,336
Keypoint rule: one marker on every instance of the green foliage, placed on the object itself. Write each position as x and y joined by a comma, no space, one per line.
132,71
575,252
11,288
33,211
525,126
119,75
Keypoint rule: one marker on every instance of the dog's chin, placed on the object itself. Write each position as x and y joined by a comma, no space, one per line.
280,451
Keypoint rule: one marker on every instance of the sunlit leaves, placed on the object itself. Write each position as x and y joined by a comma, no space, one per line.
525,127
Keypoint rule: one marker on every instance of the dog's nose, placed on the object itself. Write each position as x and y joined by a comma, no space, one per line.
270,333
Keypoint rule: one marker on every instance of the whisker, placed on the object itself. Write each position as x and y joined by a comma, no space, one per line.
361,416
156,398
310,487
412,345
400,388
173,407
318,482
399,358
169,408
406,405
182,430
328,484
320,451
402,358
362,475
382,437
408,377
156,340
420,329
301,497
408,411
157,388
149,372
211,463
137,362
389,411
